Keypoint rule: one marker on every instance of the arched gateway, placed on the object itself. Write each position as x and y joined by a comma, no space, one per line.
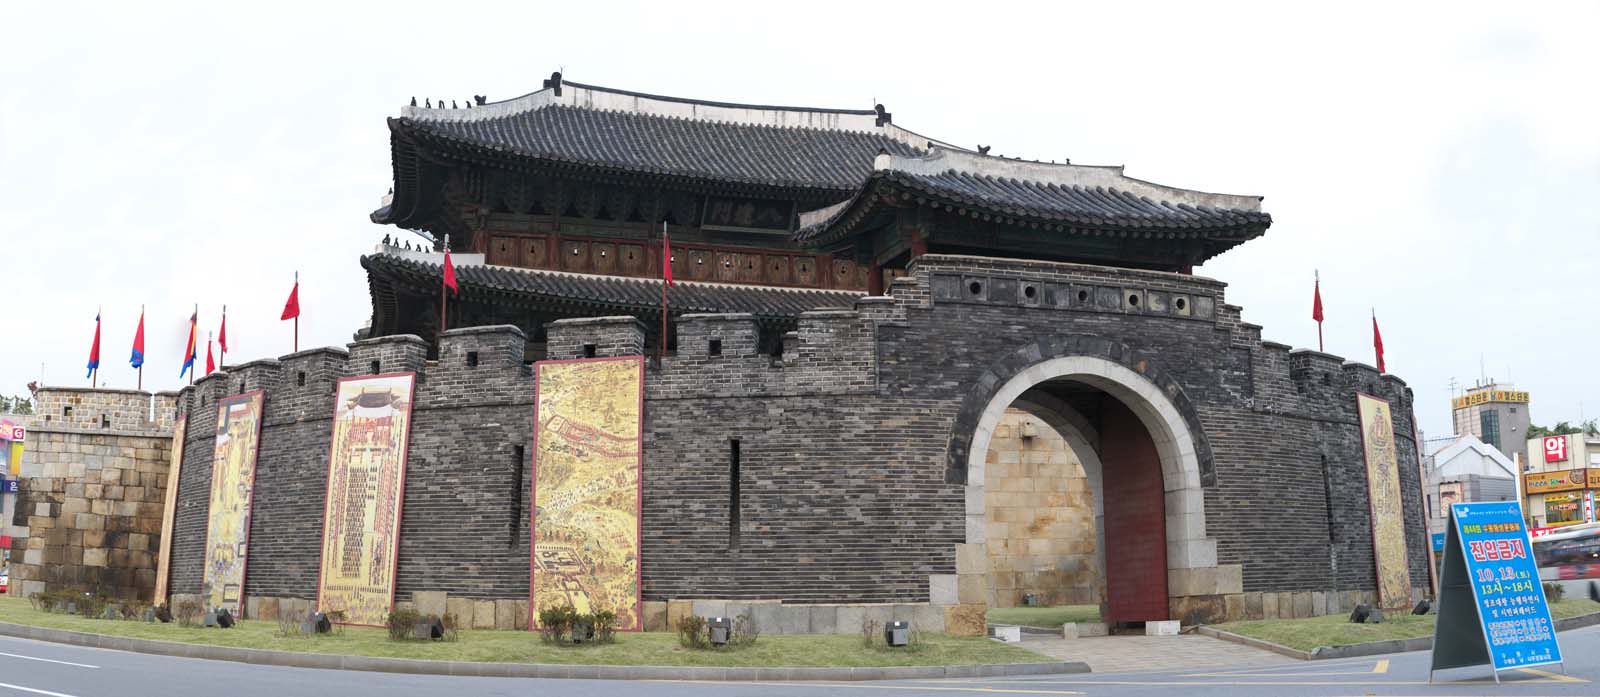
1141,462
854,307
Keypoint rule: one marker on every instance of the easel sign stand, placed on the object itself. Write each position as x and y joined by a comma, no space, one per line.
1492,608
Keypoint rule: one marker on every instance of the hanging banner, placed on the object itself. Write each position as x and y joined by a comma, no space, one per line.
1492,607
170,509
366,487
233,476
1387,506
586,444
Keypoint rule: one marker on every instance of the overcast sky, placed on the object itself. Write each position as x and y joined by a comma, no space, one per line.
1440,163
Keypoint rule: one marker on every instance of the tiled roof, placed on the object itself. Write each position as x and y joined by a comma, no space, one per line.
613,292
757,145
1065,195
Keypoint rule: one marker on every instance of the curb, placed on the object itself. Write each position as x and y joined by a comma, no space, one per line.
296,659
1370,648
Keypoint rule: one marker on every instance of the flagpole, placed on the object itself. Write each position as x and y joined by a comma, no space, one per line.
440,341
140,384
222,360
297,311
666,263
94,375
1318,276
194,348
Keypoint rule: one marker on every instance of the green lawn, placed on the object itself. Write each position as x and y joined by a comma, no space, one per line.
1044,615
1336,630
651,648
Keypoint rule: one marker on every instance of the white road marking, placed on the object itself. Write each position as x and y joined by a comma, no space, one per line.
47,660
36,691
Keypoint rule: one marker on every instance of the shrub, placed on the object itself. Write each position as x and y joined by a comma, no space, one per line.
554,623
43,601
692,632
1554,592
338,619
289,624
189,613
871,633
133,611
163,614
745,631
605,626
452,627
402,623
92,606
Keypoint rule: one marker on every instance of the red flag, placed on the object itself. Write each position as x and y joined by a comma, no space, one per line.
1377,341
291,309
211,365
94,350
1316,301
666,255
137,358
450,273
222,336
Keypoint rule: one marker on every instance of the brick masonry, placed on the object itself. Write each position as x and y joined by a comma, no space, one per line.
87,513
853,444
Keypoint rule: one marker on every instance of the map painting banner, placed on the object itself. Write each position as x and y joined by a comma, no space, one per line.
233,477
170,510
1388,509
366,487
587,457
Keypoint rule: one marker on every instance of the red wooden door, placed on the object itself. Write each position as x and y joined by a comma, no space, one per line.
1135,518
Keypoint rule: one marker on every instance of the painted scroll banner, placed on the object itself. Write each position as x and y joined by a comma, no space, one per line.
233,476
1387,505
366,487
586,491
170,510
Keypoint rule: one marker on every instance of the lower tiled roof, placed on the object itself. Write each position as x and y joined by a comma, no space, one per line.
610,292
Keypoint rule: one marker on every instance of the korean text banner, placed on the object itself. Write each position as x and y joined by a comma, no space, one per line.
586,487
1388,509
170,510
366,485
233,477
1505,582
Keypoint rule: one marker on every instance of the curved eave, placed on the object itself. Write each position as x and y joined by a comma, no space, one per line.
413,148
883,187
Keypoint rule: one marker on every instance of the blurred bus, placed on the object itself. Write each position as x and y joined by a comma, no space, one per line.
1570,557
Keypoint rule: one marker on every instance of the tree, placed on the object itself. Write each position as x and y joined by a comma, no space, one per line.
1563,428
15,405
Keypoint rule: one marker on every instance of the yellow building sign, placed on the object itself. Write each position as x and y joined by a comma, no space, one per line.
1560,480
1387,505
1472,399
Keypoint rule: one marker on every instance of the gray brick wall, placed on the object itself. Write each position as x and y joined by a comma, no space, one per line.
852,442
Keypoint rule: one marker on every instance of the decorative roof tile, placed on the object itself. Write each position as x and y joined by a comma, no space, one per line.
614,292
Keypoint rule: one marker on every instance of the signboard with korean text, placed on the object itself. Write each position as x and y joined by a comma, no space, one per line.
366,488
1473,399
1555,448
1387,507
1492,608
1559,480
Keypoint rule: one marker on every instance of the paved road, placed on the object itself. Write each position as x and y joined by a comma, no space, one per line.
56,670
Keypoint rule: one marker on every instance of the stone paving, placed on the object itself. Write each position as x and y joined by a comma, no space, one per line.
1122,654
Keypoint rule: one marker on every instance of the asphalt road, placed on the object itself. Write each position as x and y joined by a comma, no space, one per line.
57,670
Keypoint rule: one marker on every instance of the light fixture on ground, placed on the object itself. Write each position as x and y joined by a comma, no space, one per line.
719,630
897,633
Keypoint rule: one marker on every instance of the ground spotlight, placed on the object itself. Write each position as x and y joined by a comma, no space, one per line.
719,629
897,633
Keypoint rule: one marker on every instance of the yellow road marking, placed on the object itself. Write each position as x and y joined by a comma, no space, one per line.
1558,677
1378,668
855,686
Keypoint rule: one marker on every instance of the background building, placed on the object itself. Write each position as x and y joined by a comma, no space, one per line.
1559,487
1495,413
1465,470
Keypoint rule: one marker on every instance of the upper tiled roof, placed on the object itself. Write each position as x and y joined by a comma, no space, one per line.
613,292
791,147
1068,195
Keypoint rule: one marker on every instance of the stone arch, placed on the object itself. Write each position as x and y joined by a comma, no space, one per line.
1155,401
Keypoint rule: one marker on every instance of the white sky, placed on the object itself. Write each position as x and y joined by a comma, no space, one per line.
1439,162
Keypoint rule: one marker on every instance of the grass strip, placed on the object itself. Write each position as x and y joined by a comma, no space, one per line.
1337,630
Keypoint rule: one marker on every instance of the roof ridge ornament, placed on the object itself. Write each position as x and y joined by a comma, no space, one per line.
883,116
554,82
